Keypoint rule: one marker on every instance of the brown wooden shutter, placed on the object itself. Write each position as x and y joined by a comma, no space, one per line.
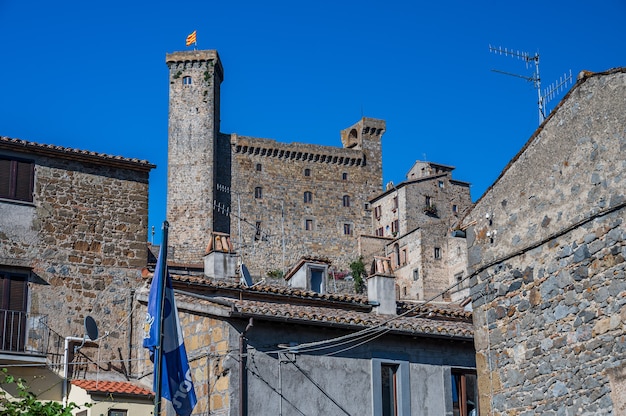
5,178
24,182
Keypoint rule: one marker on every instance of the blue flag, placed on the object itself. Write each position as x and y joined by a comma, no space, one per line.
176,383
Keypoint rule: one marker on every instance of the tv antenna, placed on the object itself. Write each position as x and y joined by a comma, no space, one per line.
533,60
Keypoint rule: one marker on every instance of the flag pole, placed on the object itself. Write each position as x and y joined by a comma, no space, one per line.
158,361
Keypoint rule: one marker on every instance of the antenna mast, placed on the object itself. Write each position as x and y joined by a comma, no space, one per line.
549,93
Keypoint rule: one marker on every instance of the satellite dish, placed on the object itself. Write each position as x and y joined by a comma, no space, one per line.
91,328
245,279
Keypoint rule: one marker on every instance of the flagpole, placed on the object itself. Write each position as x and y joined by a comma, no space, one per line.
158,361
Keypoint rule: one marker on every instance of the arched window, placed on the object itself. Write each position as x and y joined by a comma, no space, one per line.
307,172
258,192
259,168
346,200
308,197
344,176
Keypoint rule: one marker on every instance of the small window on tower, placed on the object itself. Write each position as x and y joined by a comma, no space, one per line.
187,80
259,168
308,197
307,172
346,200
344,176
308,225
258,192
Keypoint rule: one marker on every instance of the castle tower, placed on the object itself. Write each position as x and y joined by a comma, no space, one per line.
194,122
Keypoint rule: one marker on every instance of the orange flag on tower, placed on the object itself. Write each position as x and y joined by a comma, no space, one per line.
191,38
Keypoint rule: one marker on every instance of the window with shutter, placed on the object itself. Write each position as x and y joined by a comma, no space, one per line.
13,303
16,179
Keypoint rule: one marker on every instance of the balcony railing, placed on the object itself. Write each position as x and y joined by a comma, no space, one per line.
23,333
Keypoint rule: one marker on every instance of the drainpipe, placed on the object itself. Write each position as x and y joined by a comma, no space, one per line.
130,331
66,366
242,367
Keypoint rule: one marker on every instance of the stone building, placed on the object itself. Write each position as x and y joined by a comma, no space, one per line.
546,249
278,201
268,350
414,223
73,228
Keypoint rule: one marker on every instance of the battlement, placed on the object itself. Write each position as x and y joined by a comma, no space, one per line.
297,151
353,136
196,56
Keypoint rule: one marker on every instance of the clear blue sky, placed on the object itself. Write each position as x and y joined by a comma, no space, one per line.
92,75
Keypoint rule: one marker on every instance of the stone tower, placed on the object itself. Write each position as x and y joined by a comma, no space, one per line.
194,123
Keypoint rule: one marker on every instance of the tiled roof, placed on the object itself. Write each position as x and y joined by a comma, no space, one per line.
279,303
272,290
60,151
112,387
413,323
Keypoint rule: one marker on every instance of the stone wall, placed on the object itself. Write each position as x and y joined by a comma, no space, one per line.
84,237
546,248
283,173
194,86
212,179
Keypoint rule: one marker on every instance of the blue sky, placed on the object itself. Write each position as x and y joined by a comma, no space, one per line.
92,75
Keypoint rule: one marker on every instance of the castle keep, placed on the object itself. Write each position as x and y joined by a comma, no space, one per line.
278,201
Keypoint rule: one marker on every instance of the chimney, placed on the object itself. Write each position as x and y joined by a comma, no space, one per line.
220,261
381,287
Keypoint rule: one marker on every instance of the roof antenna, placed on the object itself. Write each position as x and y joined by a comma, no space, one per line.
533,60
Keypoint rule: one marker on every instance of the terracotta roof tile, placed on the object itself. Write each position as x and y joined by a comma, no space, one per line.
112,387
26,145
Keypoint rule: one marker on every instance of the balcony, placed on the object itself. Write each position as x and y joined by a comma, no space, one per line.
23,337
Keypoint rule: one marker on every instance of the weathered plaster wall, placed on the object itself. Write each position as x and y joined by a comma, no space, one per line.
550,286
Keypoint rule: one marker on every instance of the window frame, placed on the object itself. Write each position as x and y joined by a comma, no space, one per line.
308,197
308,224
437,253
346,201
187,80
403,389
258,192
347,228
462,373
19,179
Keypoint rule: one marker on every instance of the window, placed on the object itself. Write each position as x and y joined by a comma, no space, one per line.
403,257
346,200
380,232
440,184
395,203
416,274
347,229
259,168
437,252
429,201
344,176
187,80
455,209
317,279
258,192
366,206
308,225
394,227
13,303
257,232
377,212
16,179
307,172
308,197
396,254
390,387
116,412
464,393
